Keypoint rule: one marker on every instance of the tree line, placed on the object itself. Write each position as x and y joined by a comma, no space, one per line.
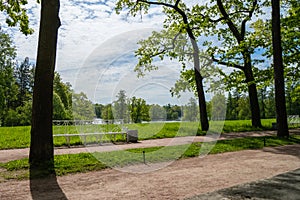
16,91
231,22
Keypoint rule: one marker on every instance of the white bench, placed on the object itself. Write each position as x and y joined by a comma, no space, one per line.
98,136
293,120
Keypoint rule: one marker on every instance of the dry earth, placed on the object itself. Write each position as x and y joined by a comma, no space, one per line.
181,179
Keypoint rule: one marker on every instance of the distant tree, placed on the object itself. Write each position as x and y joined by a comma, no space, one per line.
107,112
173,112
83,108
190,111
8,86
218,107
63,90
243,109
59,111
120,107
139,110
98,110
157,113
24,76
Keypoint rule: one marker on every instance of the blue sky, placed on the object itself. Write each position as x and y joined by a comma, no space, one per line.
95,50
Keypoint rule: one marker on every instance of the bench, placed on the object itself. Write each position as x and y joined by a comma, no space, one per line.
293,120
98,136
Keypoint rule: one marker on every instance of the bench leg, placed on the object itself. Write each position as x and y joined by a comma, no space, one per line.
68,140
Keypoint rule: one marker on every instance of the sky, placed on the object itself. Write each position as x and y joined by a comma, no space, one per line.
95,51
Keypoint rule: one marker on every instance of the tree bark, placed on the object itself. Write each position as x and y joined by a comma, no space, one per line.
252,91
199,85
41,146
281,115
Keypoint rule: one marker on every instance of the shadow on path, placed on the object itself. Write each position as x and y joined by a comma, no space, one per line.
45,188
284,186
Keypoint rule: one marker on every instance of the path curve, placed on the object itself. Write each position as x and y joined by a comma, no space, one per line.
182,179
15,154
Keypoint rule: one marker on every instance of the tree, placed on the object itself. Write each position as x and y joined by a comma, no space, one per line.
218,107
190,111
281,116
8,87
157,113
24,78
228,21
107,113
139,110
41,154
120,107
83,108
64,92
59,111
99,110
177,23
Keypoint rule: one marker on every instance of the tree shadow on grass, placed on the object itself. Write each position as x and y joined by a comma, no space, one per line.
44,185
286,150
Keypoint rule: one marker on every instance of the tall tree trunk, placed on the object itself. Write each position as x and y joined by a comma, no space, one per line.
199,85
281,115
252,90
41,146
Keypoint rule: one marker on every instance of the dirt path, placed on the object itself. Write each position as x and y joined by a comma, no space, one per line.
15,154
181,179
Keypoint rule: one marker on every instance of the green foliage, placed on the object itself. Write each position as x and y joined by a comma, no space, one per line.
107,112
8,86
120,107
24,75
16,14
157,113
83,108
139,111
98,110
190,111
59,111
174,112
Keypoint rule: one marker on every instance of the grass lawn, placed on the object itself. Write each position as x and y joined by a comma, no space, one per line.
19,137
83,162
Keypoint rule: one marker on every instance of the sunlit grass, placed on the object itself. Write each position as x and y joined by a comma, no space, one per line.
84,162
19,137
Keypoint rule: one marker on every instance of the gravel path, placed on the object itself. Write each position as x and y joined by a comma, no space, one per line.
182,179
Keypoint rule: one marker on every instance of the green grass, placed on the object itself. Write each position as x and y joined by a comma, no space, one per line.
19,137
83,162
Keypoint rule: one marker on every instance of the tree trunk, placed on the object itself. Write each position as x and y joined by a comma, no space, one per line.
281,115
199,85
41,146
201,100
252,90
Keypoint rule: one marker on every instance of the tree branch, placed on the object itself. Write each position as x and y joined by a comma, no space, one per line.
228,64
230,24
210,19
157,3
250,13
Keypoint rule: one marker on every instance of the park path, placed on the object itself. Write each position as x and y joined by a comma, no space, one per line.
181,179
15,154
